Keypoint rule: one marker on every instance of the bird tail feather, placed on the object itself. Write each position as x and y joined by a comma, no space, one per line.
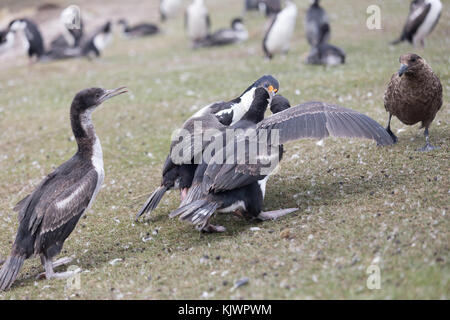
152,201
10,270
194,193
198,212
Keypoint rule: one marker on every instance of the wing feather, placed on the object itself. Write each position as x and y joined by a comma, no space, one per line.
74,200
315,120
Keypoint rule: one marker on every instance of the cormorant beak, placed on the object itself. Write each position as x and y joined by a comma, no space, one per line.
272,90
402,69
112,93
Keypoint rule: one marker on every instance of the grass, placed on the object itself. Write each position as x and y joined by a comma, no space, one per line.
359,204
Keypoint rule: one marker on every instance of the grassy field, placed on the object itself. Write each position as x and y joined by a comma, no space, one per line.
360,205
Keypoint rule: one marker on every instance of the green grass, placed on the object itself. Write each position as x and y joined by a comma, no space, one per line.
358,203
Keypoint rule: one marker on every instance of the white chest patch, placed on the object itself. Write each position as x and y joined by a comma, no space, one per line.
102,40
170,7
262,185
239,109
333,60
9,42
97,154
197,25
279,36
427,25
97,162
239,205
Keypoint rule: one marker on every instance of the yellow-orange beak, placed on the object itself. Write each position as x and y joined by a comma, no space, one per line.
272,89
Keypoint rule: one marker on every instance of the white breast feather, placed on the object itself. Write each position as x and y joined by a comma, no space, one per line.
279,37
197,26
428,23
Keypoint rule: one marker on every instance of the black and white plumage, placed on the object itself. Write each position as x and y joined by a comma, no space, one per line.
98,41
32,37
139,30
278,36
422,19
216,116
6,40
92,46
236,34
197,21
72,33
169,9
232,186
206,207
278,104
50,213
326,54
317,24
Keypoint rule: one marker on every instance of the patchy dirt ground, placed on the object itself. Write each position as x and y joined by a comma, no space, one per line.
359,205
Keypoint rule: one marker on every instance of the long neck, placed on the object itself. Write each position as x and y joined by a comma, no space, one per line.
257,110
84,132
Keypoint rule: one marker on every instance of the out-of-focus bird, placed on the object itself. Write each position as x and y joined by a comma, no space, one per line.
326,54
138,30
317,24
413,95
169,9
237,33
31,36
197,21
92,46
235,182
279,34
6,40
72,29
423,17
178,173
50,213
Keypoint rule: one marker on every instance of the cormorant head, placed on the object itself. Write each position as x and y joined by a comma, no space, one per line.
89,99
71,18
268,82
279,103
410,63
237,24
17,25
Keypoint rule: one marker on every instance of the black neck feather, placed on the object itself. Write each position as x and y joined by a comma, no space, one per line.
258,107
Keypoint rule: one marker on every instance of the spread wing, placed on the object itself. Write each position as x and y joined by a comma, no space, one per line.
189,143
320,120
316,120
